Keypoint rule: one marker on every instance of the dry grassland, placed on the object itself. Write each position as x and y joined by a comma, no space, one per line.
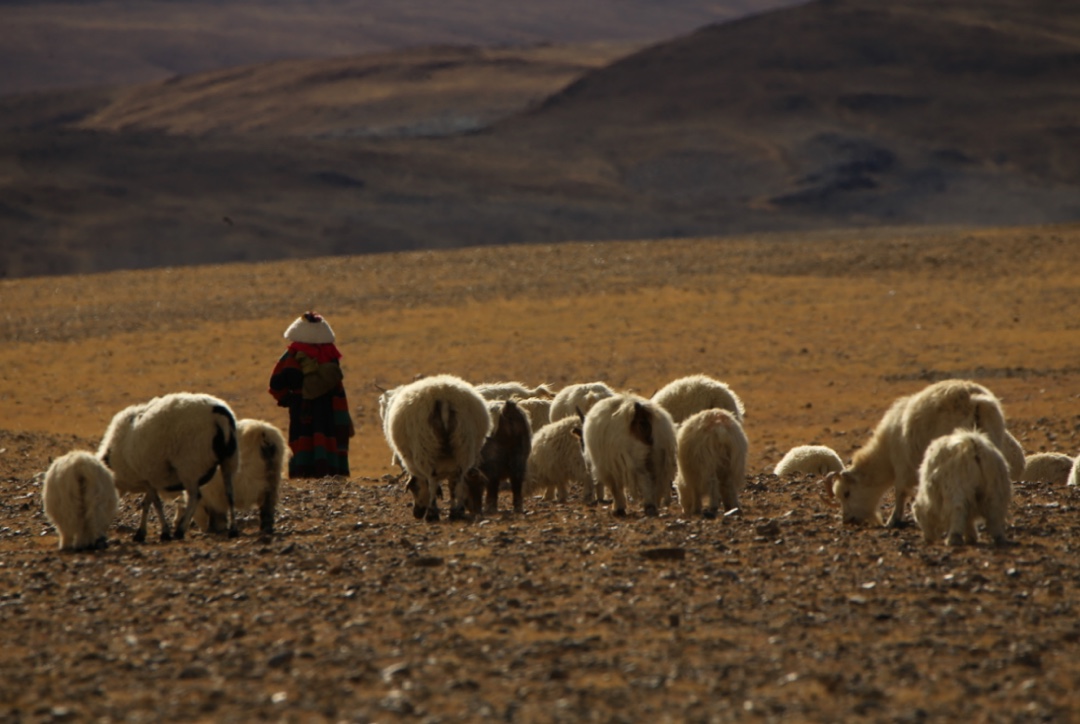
354,611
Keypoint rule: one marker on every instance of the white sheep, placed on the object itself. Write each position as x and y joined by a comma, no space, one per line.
712,450
172,443
895,450
1050,467
687,395
963,477
437,427
538,410
578,397
630,449
809,460
263,453
1014,455
497,391
557,460
80,500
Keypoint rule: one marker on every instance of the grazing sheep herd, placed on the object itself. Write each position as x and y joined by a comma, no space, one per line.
945,449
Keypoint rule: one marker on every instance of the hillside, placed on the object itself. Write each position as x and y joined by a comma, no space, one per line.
354,611
847,114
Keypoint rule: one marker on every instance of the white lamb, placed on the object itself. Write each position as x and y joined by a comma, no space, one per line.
80,500
172,443
963,477
557,460
630,449
712,449
502,391
894,452
263,452
1050,467
687,395
809,460
437,426
538,410
579,397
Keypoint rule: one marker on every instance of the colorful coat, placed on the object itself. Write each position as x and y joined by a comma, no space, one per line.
307,380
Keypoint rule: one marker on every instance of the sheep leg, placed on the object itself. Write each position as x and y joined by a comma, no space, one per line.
995,528
958,521
459,495
619,507
230,497
193,496
519,498
491,503
896,519
152,498
266,515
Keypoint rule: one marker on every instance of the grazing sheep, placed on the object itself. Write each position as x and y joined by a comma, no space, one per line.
1049,467
712,449
263,453
963,477
687,395
630,449
538,410
505,455
557,459
79,496
437,427
172,443
894,452
809,460
1014,455
578,397
498,391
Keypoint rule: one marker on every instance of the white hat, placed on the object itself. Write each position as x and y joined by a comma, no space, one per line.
310,328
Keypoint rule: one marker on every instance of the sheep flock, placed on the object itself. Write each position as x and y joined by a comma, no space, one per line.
683,451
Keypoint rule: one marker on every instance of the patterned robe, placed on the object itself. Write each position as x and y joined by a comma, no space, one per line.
319,427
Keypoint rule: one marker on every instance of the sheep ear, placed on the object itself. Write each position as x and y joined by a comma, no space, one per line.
827,484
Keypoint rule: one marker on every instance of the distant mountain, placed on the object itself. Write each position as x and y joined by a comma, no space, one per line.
837,113
59,44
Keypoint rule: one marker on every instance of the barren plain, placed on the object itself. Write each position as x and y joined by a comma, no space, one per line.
353,611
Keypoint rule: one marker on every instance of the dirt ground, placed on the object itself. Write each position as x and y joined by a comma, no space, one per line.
353,611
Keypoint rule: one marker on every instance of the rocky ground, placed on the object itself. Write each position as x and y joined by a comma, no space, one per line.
353,611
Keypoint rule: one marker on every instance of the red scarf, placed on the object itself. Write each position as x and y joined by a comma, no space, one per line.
321,353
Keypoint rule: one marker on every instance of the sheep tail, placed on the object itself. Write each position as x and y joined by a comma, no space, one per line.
443,420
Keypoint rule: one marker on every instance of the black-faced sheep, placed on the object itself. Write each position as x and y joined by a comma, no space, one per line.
1049,467
687,395
263,453
173,443
630,449
712,450
557,460
809,460
437,426
80,500
963,477
895,451
578,398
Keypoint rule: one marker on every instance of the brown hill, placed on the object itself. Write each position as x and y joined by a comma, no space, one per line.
354,611
831,114
60,44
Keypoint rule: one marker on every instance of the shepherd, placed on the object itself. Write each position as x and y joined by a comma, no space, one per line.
308,380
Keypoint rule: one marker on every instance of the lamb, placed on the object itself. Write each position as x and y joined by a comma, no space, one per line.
437,427
557,459
630,449
499,391
537,409
1050,467
578,397
505,455
809,460
687,395
896,448
263,452
80,500
963,477
172,443
712,449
